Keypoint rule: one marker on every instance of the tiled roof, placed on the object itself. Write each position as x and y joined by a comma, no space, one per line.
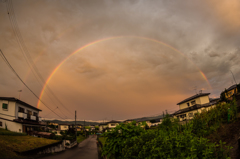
232,87
193,97
113,121
195,107
19,101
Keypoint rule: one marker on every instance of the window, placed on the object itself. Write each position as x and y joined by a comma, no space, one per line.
29,112
34,114
183,116
20,109
188,104
190,114
112,124
0,123
193,102
5,106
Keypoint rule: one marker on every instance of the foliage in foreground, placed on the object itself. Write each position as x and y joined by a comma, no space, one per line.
171,140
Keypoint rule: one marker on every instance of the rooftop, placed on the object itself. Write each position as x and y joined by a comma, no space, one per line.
113,121
193,97
232,87
19,101
196,106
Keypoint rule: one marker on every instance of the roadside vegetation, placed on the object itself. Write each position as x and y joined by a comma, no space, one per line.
10,133
11,142
170,139
80,138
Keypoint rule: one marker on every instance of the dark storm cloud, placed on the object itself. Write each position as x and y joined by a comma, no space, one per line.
125,77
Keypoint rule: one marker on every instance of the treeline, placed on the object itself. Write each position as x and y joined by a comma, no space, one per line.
170,139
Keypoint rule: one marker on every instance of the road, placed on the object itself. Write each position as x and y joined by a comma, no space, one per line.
87,149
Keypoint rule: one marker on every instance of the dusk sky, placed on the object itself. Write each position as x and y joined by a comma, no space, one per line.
135,58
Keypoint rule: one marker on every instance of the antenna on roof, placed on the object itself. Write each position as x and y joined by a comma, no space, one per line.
233,77
195,88
19,94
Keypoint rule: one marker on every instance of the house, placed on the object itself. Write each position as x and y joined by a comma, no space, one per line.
194,104
18,116
232,90
79,127
63,127
143,120
155,122
112,124
102,126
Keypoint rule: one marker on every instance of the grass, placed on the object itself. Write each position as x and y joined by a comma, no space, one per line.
80,138
10,144
11,133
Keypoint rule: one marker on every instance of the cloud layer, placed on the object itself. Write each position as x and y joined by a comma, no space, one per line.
123,77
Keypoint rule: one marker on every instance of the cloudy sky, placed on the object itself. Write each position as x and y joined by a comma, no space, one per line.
148,56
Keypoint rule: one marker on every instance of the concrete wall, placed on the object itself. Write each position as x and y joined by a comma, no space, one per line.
52,148
12,126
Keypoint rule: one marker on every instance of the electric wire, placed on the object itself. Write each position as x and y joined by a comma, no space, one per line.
9,65
25,51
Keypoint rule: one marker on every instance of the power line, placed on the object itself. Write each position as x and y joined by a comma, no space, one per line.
9,65
25,51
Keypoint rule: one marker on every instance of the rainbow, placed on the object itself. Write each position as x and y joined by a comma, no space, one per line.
111,38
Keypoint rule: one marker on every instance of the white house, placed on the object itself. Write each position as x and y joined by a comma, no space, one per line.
102,126
112,124
63,127
18,116
194,104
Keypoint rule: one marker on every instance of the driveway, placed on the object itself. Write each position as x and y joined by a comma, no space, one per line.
87,149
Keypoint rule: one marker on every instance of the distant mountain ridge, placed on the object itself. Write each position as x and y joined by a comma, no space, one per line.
87,123
97,123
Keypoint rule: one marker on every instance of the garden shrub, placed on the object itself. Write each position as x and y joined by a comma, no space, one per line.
170,139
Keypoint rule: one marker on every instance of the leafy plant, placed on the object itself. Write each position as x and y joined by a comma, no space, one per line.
171,140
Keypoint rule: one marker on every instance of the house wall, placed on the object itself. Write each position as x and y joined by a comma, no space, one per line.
10,112
230,93
189,116
204,100
25,109
199,100
11,125
63,127
112,126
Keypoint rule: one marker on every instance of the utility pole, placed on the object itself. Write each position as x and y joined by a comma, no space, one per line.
84,128
76,124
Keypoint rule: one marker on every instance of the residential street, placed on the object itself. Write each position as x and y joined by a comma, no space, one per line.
85,150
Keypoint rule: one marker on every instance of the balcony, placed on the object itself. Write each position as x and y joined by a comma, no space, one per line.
22,115
33,117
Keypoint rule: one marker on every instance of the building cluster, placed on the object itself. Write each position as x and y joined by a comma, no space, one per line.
18,116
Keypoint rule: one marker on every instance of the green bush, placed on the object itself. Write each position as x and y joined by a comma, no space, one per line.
171,140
